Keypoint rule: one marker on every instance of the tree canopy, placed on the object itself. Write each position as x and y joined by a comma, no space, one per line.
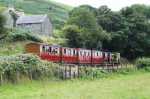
91,33
126,31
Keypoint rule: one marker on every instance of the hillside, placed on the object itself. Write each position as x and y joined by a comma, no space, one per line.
57,12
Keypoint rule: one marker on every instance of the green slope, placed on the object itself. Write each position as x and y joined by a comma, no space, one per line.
56,11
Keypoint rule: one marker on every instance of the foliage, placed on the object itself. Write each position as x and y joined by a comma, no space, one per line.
73,35
92,73
90,32
12,48
13,68
3,32
143,63
54,41
129,29
126,31
22,35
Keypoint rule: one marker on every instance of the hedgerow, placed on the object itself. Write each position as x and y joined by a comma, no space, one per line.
14,68
143,63
22,35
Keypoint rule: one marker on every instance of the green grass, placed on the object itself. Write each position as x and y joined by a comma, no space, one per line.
133,86
11,48
58,12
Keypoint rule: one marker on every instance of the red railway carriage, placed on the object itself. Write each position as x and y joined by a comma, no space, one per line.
50,53
69,55
107,57
84,56
46,52
97,57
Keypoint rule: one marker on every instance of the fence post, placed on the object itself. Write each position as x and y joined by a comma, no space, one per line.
78,71
70,71
1,79
65,72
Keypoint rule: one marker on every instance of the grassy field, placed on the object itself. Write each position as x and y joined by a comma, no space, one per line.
133,86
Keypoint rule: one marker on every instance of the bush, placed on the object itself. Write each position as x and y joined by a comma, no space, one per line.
33,37
13,68
92,73
22,35
3,30
143,63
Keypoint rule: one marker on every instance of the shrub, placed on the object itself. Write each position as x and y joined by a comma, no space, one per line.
17,37
143,63
13,68
91,73
33,37
21,35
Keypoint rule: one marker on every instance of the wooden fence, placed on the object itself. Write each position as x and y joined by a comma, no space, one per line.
69,71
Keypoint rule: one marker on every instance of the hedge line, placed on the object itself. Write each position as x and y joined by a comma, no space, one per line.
14,68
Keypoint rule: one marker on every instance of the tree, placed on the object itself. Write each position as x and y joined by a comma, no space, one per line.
129,29
126,31
89,8
137,30
91,32
73,36
108,20
103,10
2,28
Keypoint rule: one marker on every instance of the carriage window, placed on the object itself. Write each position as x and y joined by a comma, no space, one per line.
43,48
50,49
64,51
103,55
97,54
54,50
74,52
80,53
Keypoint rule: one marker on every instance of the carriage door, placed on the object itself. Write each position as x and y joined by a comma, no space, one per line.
55,54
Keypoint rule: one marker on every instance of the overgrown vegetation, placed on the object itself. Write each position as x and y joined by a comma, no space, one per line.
143,63
3,30
22,35
17,67
15,40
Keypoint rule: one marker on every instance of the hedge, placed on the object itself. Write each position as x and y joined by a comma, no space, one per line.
14,68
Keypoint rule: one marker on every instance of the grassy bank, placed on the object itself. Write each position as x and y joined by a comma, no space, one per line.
133,86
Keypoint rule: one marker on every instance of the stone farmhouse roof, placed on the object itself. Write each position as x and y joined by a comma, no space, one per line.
31,19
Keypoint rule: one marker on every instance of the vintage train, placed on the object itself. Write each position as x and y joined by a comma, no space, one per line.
68,55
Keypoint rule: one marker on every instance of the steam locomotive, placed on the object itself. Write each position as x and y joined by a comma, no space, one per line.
68,55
